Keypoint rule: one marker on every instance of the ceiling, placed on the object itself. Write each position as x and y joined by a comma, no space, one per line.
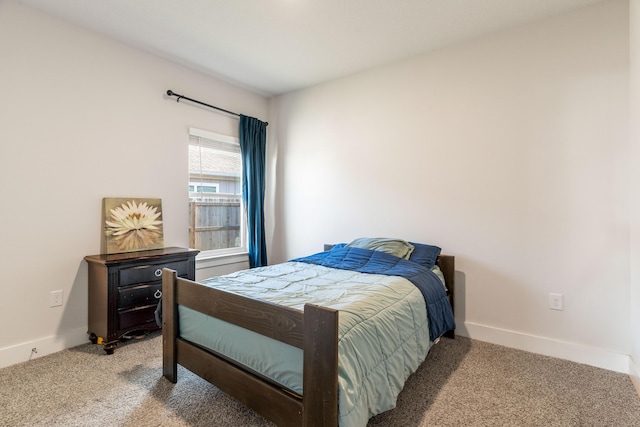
277,46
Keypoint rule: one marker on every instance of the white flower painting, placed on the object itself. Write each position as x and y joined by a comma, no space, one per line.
132,224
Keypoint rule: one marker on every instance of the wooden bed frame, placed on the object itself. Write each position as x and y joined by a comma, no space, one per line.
314,330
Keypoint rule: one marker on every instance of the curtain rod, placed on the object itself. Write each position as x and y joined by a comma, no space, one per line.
172,93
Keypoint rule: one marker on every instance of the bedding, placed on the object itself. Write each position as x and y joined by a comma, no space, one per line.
384,326
380,262
395,247
425,255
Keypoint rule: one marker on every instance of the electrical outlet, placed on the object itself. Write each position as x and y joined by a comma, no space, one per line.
555,301
56,299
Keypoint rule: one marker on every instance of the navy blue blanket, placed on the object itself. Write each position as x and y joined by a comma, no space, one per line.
361,260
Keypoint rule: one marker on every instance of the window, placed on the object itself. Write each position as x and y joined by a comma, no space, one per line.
200,187
217,224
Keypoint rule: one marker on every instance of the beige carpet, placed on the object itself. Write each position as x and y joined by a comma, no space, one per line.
462,383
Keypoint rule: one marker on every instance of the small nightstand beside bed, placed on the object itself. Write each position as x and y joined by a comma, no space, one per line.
324,340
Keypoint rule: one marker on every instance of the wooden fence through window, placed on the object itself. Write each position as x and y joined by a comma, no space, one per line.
214,223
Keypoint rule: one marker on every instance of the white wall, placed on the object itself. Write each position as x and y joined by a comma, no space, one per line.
634,37
83,117
510,152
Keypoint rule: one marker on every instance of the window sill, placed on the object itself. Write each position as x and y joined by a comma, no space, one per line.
219,260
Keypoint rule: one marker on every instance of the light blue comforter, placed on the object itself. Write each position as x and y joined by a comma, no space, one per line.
383,331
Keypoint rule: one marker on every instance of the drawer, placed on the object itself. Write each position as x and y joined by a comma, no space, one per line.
150,272
139,295
137,317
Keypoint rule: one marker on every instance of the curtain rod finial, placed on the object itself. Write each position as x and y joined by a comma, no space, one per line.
170,92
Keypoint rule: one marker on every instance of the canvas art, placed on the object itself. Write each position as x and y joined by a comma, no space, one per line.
132,224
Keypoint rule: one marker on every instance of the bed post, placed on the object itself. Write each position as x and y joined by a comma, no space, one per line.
320,367
447,266
169,325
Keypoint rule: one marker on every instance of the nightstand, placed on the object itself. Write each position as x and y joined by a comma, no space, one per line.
124,290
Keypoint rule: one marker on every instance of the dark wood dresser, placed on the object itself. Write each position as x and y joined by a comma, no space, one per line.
124,290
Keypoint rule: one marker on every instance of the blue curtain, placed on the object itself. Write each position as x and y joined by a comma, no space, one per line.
253,142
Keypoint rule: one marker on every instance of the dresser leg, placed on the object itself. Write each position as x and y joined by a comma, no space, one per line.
93,338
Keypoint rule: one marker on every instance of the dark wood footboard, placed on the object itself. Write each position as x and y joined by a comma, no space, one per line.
314,330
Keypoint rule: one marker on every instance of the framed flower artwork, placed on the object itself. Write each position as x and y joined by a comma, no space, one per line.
131,224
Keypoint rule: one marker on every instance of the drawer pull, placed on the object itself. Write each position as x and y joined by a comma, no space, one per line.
158,272
158,294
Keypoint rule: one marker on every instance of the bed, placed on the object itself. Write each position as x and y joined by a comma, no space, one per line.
310,345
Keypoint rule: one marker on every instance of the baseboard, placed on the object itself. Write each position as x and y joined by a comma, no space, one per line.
24,352
634,374
593,356
579,353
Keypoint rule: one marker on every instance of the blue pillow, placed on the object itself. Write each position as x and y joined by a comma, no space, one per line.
425,255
